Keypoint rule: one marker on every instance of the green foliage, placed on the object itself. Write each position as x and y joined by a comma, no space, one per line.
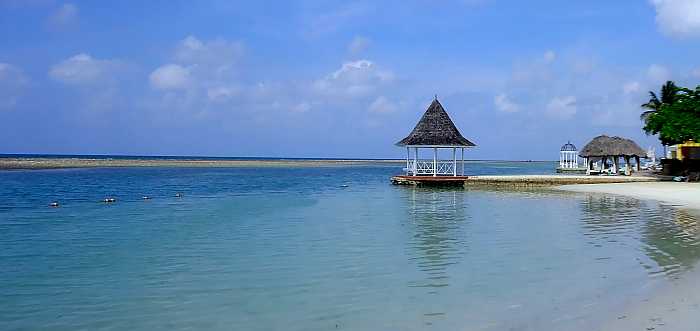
676,120
669,91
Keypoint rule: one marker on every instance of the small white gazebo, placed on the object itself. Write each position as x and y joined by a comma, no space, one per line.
568,156
434,131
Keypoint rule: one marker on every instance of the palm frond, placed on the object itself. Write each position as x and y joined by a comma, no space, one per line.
645,115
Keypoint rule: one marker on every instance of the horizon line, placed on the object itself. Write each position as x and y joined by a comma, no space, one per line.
126,156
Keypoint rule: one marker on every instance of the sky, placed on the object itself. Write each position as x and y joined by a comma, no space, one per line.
333,78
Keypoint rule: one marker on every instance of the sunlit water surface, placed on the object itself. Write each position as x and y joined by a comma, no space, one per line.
322,248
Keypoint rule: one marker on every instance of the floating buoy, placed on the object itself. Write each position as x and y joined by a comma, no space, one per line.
54,204
109,200
178,195
145,197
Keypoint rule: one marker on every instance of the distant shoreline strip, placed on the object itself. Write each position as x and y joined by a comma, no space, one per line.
37,163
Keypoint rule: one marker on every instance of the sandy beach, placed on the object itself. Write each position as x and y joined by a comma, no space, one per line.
675,306
686,195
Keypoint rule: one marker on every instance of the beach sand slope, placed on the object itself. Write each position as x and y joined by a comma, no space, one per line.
676,306
685,195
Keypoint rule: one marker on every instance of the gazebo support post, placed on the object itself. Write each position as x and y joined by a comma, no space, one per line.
637,166
408,157
628,166
415,161
454,161
616,164
462,161
434,161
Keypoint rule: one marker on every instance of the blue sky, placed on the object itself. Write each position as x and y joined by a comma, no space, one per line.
333,79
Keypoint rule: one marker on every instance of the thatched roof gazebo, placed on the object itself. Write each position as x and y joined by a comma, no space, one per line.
603,147
435,130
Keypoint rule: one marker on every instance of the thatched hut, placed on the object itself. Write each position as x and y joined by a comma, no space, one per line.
435,130
603,148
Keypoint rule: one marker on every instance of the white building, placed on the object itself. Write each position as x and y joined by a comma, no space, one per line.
568,156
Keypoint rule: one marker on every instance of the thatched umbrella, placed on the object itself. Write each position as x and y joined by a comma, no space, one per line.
604,147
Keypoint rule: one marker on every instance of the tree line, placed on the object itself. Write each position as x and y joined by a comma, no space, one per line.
673,115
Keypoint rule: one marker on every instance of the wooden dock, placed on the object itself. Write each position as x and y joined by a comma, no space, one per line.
429,180
515,180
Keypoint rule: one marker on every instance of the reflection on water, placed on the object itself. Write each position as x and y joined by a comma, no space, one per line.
670,237
436,220
292,249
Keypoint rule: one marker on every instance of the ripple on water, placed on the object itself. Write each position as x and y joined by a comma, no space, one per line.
283,249
668,237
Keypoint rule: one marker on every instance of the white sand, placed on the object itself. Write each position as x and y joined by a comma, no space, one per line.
676,306
686,195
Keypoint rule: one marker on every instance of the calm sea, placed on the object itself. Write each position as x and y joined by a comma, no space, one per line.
322,248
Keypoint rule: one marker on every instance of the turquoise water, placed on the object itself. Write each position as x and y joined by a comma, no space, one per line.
294,249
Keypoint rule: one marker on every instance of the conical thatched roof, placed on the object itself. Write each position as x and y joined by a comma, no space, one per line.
435,128
611,146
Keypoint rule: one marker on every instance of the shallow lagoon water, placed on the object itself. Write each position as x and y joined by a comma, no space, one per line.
292,249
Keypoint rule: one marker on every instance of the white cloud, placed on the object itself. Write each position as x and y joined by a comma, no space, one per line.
218,53
631,87
170,77
205,68
504,104
222,93
678,18
358,44
82,69
382,105
658,74
356,78
549,56
562,107
12,83
302,107
64,15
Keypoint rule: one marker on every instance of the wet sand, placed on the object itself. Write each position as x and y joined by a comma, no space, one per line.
550,180
61,163
685,195
675,306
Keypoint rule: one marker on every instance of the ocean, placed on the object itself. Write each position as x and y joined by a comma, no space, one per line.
323,248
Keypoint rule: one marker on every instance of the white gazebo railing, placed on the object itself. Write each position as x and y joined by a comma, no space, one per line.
426,167
434,167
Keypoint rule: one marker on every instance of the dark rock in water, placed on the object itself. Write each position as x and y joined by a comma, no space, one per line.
54,204
344,185
145,197
178,195
109,200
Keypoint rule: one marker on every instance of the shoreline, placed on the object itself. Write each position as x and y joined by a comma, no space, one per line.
683,195
68,162
673,306
44,163
676,304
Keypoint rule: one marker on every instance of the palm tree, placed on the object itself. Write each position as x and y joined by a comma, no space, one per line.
669,91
